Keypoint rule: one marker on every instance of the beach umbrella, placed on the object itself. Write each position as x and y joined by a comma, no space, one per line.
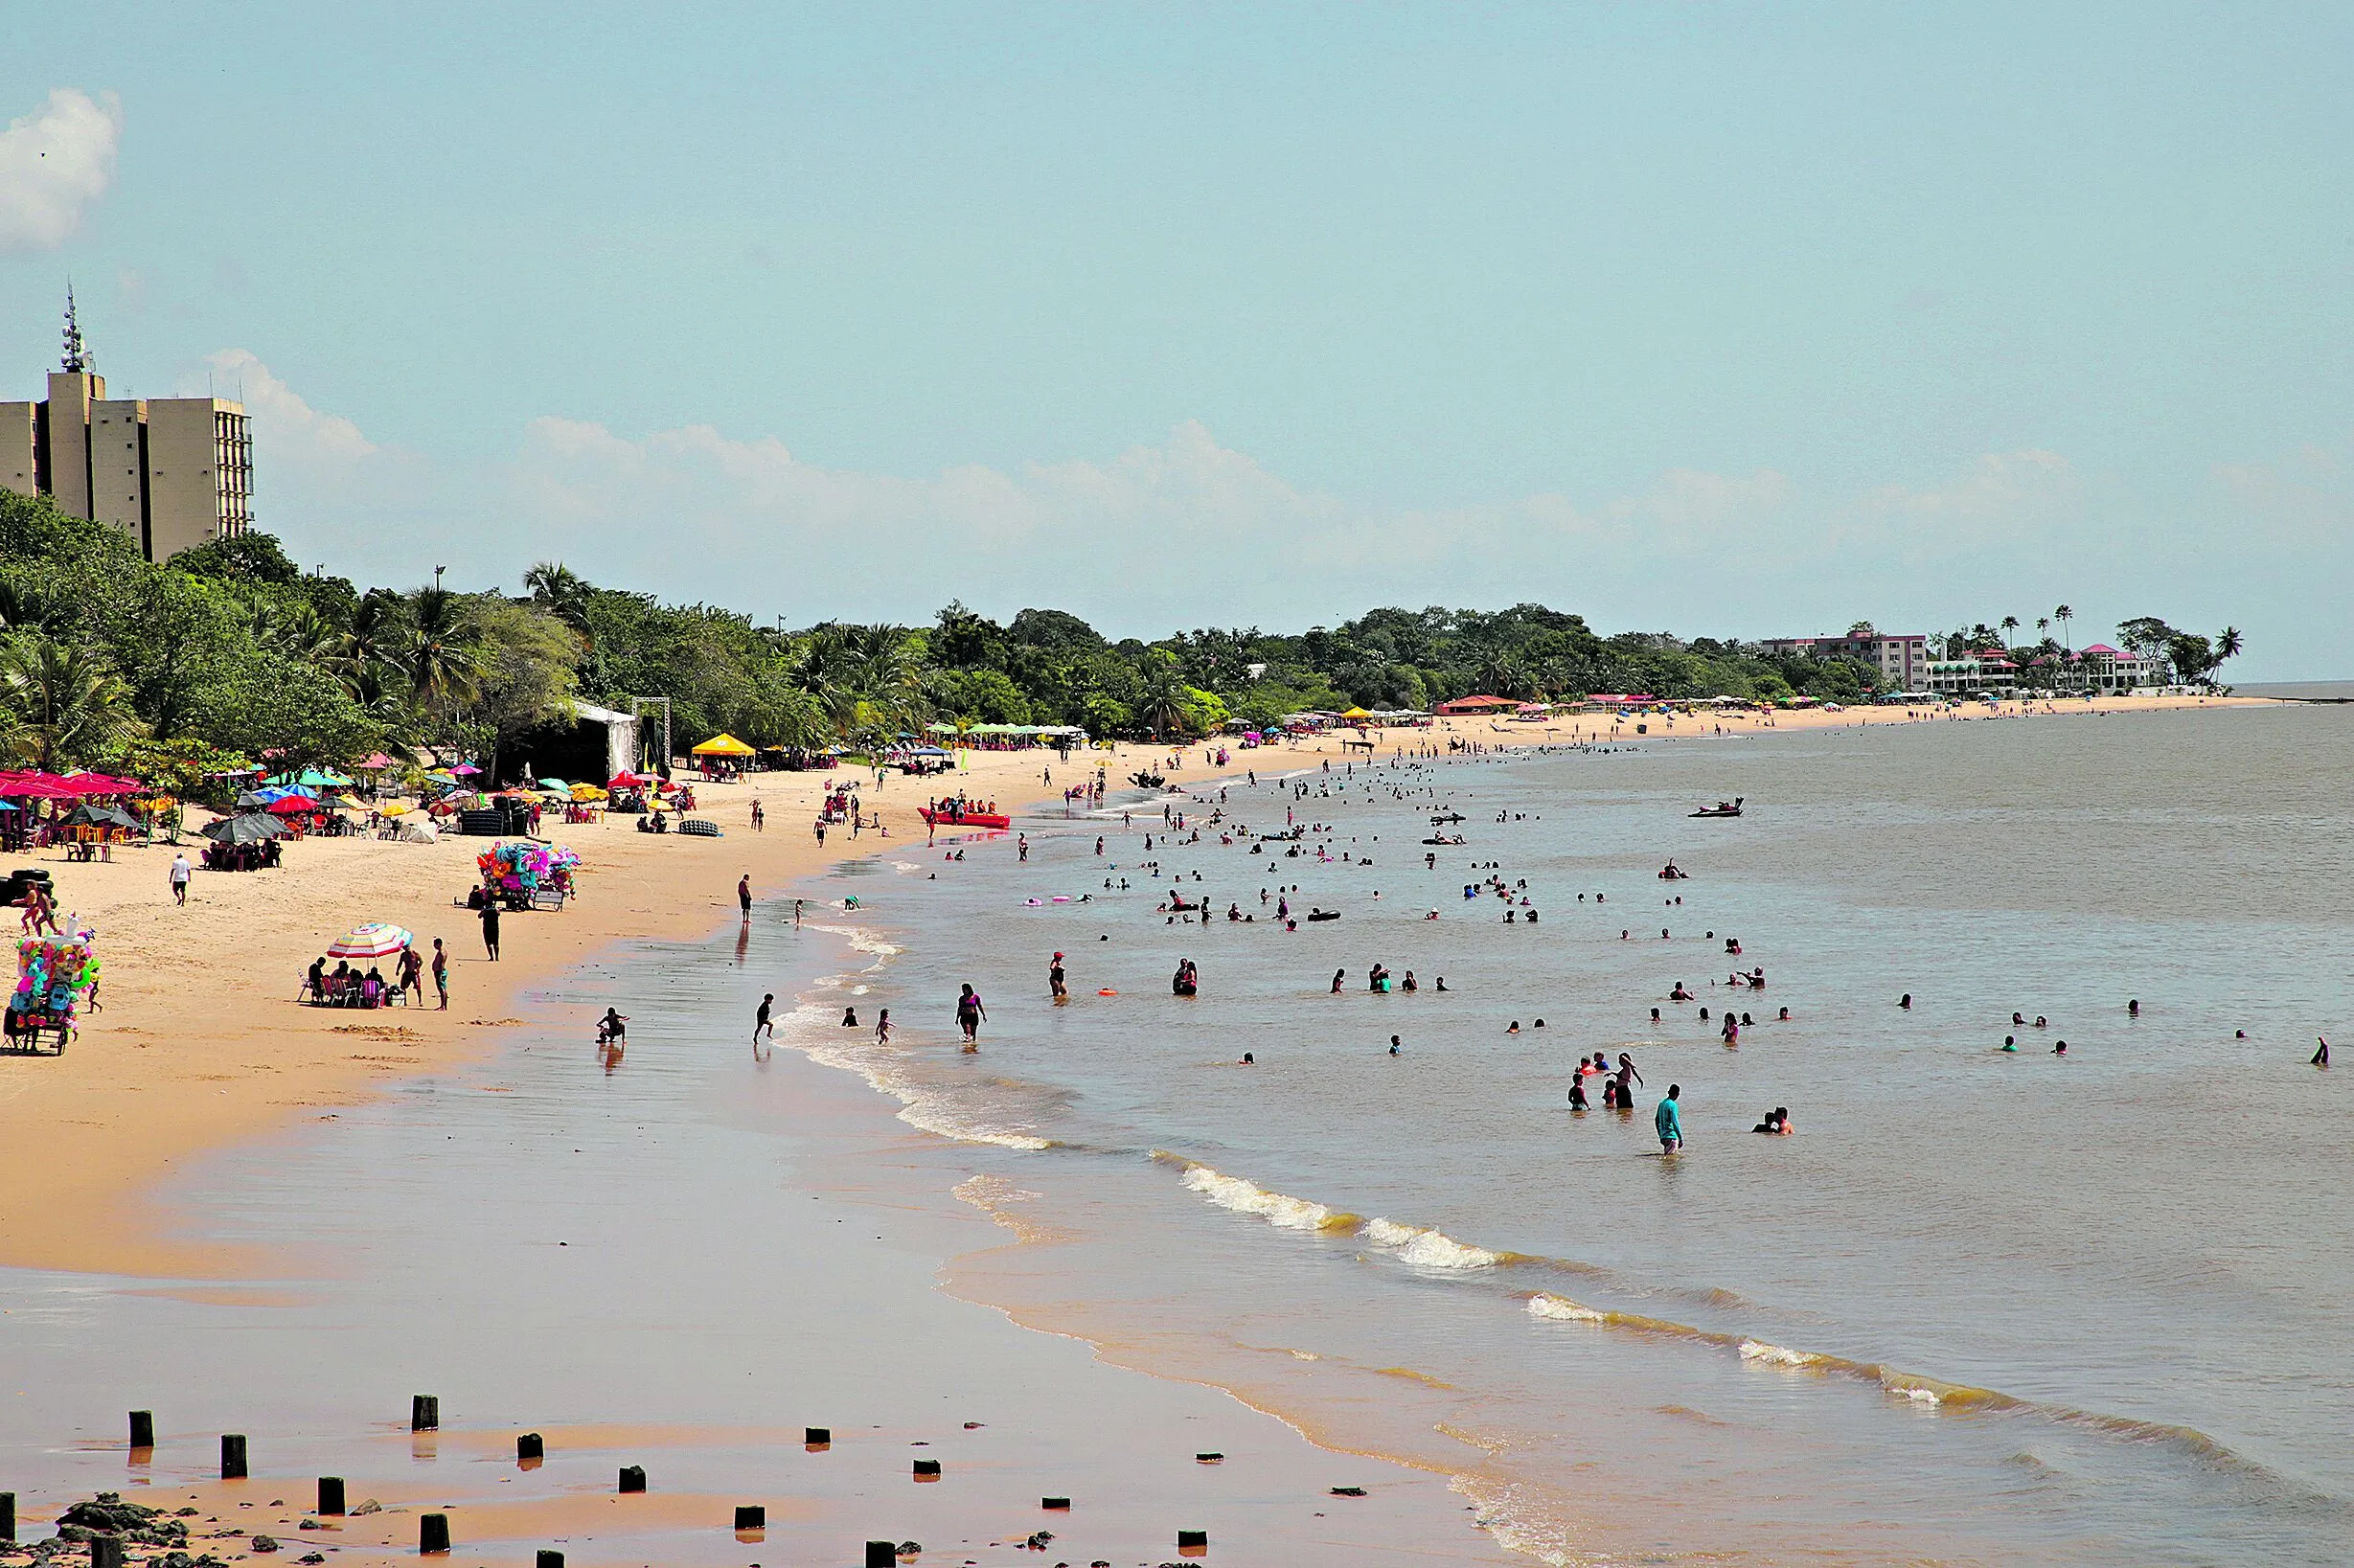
465,767
374,940
250,828
100,817
291,806
723,745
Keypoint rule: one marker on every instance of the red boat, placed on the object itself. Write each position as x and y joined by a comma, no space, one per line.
952,818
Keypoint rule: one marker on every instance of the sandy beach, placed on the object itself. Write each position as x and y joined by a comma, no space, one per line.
200,1044
200,1049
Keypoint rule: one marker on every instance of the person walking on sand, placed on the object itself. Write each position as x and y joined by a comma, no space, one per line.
181,872
441,974
1668,1123
970,1016
490,928
760,1020
743,895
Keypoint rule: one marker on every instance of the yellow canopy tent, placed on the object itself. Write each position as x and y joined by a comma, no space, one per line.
1357,712
723,745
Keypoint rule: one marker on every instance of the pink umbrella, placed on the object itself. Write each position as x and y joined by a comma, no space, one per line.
465,767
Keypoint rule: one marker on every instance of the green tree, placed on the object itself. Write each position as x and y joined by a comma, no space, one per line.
63,704
523,676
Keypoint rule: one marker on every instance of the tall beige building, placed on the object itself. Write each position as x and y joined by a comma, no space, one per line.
172,472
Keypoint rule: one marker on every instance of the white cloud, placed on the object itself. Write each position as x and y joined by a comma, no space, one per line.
2302,499
54,164
2001,489
300,432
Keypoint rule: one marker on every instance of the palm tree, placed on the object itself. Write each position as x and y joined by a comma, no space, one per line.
365,647
2042,627
63,704
2228,644
826,670
2010,626
566,596
1162,703
302,633
440,657
2064,615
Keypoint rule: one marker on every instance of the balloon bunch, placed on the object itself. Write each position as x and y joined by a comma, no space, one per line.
55,973
523,868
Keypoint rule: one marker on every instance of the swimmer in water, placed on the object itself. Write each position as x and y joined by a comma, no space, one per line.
1515,1029
2060,1050
1393,1045
2321,1056
1248,1060
2010,1042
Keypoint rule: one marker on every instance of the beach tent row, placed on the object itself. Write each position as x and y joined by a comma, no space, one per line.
1042,731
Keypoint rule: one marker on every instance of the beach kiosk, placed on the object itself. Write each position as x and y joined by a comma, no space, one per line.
722,751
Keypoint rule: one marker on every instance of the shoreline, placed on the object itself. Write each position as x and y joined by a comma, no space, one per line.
198,1048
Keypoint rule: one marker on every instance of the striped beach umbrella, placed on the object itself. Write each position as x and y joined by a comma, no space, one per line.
374,940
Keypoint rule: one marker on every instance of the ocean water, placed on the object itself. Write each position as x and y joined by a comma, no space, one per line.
1982,1308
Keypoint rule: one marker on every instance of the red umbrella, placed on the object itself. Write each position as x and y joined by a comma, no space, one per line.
37,786
291,806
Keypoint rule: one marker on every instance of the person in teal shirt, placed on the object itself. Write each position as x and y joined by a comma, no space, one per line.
1670,1125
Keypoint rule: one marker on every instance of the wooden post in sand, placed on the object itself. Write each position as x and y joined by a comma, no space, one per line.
106,1552
549,1559
7,1516
883,1555
530,1446
634,1478
432,1534
424,1412
751,1516
143,1428
233,1456
330,1496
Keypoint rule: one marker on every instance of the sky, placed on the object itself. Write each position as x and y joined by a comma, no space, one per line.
1725,319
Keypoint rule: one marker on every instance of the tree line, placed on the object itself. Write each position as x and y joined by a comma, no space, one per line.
230,652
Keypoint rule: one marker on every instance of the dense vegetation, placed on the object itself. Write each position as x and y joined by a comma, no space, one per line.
229,653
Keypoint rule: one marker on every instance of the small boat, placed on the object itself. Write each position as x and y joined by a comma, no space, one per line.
1723,808
967,819
1324,914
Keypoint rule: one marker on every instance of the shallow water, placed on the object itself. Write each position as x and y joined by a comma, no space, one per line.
1982,1308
